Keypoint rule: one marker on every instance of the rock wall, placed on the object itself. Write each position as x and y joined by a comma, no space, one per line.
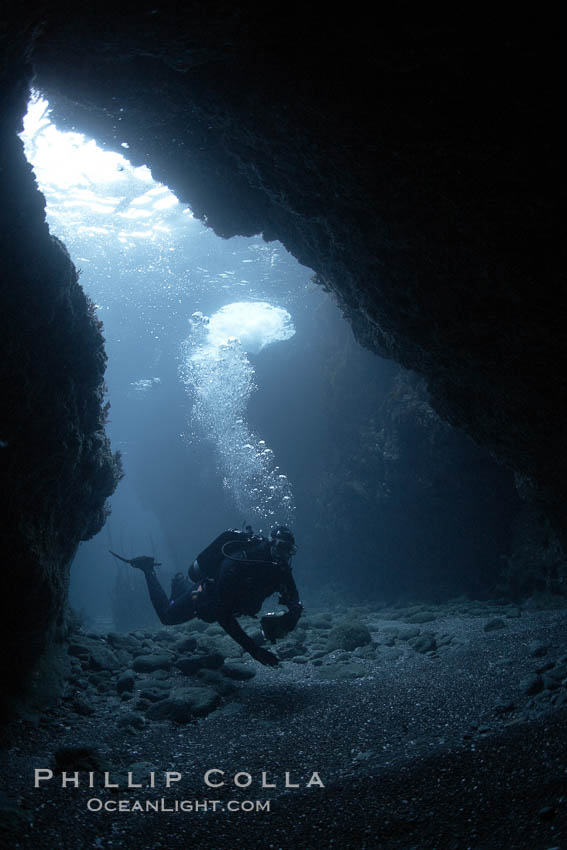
418,510
56,464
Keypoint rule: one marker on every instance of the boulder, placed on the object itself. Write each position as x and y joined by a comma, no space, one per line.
238,671
348,635
424,643
185,704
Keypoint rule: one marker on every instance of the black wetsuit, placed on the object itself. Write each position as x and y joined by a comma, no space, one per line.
239,588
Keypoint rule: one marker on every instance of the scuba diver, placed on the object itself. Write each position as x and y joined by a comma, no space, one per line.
232,577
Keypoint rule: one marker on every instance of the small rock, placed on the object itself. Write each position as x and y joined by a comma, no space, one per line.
80,706
338,657
148,663
166,636
184,705
421,617
78,649
558,672
546,813
423,643
210,661
368,651
342,671
537,649
125,682
160,676
365,756
407,634
121,641
153,694
128,719
150,683
289,649
531,685
124,657
494,624
504,707
94,653
188,644
213,679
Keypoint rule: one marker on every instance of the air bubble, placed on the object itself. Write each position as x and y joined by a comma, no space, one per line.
221,383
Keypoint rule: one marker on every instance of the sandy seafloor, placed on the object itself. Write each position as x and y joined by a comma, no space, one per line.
445,748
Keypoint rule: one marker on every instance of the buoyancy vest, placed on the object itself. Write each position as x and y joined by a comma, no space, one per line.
207,564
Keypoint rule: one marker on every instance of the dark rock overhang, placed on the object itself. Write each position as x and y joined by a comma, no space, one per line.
414,166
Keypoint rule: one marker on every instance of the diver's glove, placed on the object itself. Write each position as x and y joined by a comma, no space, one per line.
142,562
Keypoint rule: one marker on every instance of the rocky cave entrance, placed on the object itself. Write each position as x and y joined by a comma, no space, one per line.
367,459
173,297
414,167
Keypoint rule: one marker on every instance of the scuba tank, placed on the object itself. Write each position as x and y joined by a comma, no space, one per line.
207,564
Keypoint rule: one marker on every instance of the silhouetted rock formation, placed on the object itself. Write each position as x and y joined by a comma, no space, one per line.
57,467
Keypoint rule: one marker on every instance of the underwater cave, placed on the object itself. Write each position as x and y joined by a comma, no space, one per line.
282,271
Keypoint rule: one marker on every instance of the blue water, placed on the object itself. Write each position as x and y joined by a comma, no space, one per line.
162,283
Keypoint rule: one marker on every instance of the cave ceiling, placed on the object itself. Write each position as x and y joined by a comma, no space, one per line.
415,165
